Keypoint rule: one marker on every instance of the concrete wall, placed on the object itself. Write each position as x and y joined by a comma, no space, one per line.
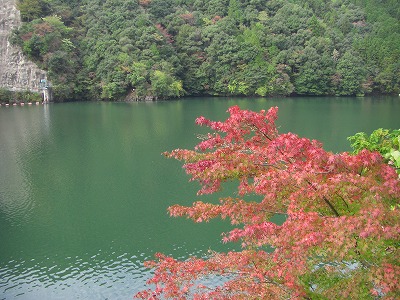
17,73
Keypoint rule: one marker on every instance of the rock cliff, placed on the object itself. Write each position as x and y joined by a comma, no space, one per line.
17,73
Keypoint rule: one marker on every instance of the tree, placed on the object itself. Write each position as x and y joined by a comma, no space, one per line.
384,141
314,74
349,70
327,47
340,237
234,11
164,85
31,9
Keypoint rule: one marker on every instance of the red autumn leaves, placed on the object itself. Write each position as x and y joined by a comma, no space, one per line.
342,210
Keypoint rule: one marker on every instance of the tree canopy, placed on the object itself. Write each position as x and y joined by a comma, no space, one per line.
92,48
384,141
341,233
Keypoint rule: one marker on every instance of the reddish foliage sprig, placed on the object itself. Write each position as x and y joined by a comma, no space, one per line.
165,33
340,208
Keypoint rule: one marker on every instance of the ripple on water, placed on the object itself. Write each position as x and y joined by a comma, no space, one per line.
21,147
115,276
104,275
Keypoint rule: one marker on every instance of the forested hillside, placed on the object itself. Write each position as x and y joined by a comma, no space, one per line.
129,49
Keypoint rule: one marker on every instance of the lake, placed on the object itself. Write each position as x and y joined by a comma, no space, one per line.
84,189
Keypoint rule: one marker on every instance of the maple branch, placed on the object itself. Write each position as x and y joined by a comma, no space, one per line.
265,164
269,280
344,201
326,200
366,264
274,212
267,137
361,171
258,130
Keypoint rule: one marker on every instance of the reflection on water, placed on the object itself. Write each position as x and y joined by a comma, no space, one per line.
104,275
84,189
101,276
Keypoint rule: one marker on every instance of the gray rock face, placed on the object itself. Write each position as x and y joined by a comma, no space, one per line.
17,73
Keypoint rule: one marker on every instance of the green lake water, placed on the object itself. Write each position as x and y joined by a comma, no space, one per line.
84,189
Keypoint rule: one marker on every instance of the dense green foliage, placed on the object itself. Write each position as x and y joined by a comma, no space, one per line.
129,49
384,141
7,96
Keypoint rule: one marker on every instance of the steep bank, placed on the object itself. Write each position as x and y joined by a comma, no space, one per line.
17,73
159,49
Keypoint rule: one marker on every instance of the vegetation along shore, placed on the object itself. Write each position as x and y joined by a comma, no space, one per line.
159,49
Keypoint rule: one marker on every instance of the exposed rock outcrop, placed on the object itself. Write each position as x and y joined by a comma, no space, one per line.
17,73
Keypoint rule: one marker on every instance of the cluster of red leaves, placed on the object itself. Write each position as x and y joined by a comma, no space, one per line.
42,29
144,3
340,208
215,19
188,17
165,33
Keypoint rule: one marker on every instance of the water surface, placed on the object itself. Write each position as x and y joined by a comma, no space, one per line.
84,189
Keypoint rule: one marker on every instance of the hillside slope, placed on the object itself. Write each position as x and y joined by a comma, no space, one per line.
147,49
16,72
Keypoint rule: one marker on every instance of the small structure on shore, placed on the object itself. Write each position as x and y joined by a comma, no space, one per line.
46,90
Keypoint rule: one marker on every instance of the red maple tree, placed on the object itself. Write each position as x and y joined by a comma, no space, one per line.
341,234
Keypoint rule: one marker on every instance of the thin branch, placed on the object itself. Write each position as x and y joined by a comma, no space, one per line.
326,200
